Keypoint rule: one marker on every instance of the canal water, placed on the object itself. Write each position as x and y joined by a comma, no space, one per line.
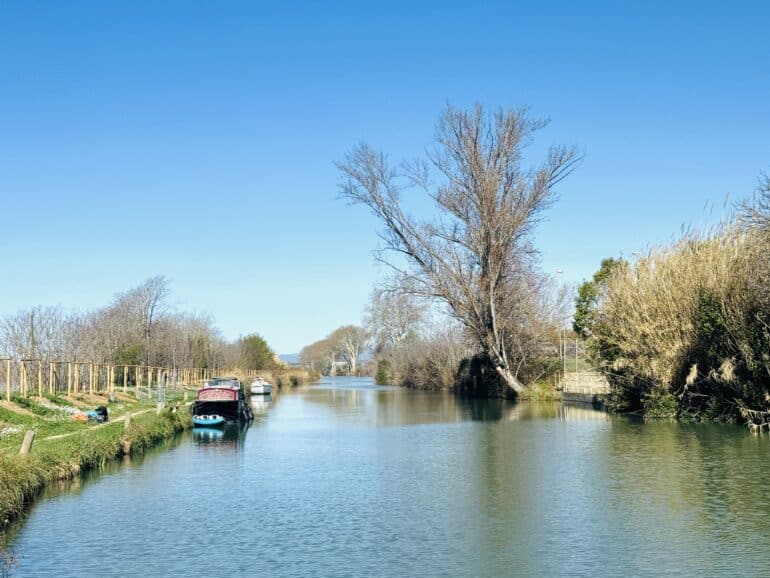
346,478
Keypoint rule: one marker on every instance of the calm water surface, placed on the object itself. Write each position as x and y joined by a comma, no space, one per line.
349,479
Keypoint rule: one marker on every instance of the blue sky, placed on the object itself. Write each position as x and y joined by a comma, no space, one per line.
197,139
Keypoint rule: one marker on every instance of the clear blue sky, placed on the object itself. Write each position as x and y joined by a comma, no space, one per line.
197,139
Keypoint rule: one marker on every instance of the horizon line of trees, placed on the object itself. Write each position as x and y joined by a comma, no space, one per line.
339,352
138,327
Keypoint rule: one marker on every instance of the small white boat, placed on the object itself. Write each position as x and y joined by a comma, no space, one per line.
260,387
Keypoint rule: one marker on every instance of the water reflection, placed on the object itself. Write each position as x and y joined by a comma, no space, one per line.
355,479
230,435
69,491
360,401
260,404
390,406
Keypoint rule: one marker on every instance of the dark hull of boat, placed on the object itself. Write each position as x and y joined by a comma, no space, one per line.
230,410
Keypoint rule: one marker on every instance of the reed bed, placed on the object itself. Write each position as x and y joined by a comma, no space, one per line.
684,331
287,377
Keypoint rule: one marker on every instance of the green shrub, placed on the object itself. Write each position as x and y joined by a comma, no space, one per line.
382,376
659,404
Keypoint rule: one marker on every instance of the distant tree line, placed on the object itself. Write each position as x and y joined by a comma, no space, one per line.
337,353
138,327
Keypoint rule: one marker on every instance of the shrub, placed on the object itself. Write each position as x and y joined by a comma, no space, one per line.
382,376
685,330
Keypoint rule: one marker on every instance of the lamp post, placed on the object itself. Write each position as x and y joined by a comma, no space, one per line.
562,344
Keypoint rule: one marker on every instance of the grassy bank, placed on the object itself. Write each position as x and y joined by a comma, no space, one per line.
64,448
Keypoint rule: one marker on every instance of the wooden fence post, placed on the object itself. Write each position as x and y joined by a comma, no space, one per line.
23,377
125,378
91,378
127,421
51,377
40,377
8,379
26,445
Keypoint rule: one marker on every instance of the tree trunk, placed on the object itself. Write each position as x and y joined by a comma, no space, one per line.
510,379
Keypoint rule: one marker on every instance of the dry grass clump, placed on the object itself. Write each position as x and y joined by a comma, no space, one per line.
289,377
429,361
689,321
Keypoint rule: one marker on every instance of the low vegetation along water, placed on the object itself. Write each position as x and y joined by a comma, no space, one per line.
347,478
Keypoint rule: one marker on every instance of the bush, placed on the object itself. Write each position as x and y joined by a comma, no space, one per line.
685,330
382,376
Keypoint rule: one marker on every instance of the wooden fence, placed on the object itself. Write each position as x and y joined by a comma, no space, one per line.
38,376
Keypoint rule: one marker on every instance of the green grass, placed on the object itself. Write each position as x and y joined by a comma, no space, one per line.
85,446
44,428
51,422
53,398
35,407
541,391
22,477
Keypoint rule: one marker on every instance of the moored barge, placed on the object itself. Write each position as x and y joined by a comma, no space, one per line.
224,397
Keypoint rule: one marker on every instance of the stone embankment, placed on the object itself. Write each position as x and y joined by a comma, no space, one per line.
585,387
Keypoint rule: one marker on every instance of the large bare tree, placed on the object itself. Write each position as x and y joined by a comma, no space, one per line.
475,255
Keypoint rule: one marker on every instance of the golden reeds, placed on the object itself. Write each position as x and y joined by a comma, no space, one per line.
691,312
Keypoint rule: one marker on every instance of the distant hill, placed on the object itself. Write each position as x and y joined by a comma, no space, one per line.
290,358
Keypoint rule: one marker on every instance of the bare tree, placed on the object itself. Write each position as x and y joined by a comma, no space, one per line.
37,333
137,327
475,256
350,340
391,317
755,211
146,304
320,355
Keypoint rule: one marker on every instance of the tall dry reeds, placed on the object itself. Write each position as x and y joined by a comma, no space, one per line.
684,330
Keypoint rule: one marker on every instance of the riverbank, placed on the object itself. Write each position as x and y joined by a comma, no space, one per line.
529,481
65,448
287,377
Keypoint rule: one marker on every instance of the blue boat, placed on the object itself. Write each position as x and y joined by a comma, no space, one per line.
207,420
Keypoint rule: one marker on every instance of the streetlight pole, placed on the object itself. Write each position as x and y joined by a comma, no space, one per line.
562,343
